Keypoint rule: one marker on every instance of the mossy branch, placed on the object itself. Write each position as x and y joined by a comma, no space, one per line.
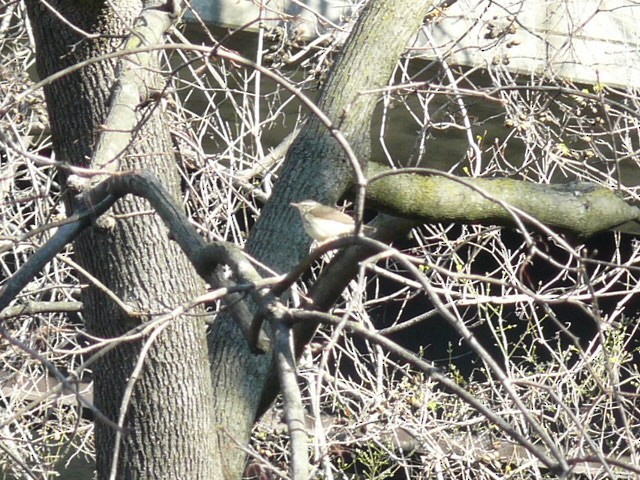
579,207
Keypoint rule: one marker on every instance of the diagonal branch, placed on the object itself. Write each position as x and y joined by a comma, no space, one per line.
205,258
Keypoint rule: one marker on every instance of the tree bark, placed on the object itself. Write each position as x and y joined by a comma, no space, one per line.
316,167
133,259
581,208
168,424
180,421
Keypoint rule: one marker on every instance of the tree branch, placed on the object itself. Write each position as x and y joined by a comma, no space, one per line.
431,196
130,89
63,236
35,308
293,409
437,375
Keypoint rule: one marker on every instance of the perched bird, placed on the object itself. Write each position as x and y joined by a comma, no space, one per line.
322,222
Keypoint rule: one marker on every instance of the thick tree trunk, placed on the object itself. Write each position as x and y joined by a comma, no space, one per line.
168,426
316,167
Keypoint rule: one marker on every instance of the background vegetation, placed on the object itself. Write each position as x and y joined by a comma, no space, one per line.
524,336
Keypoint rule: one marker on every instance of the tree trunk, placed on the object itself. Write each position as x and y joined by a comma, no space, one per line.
137,262
168,424
315,167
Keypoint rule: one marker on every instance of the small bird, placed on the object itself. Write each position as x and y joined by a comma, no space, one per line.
322,222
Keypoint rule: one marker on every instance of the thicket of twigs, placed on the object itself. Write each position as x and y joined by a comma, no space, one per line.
541,327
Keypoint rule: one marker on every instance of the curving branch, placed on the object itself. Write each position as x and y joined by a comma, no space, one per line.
65,234
205,258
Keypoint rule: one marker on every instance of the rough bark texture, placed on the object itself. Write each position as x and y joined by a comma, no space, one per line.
315,168
168,423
